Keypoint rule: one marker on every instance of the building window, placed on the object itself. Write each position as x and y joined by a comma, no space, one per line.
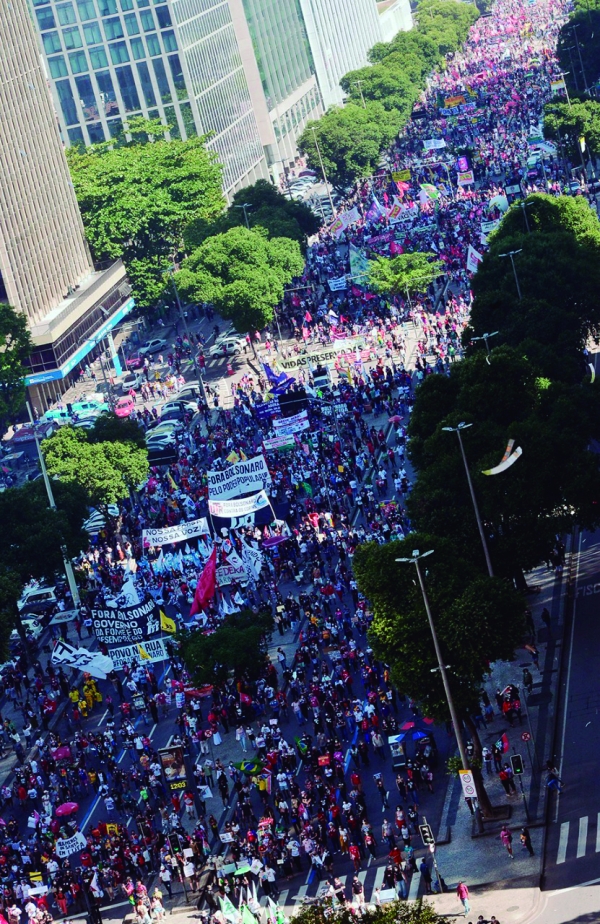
107,93
188,119
96,133
177,75
107,7
51,43
78,62
153,45
113,28
58,67
67,103
86,10
129,93
126,5
146,83
119,53
161,79
172,120
142,4
115,127
169,40
137,49
131,24
164,17
147,20
45,19
76,137
98,58
72,38
87,98
93,35
66,14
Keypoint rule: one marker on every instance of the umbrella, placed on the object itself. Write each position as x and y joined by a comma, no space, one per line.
395,419
67,808
242,869
407,725
273,540
62,753
416,736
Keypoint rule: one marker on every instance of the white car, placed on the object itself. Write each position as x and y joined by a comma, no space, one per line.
32,627
227,346
132,380
158,345
37,600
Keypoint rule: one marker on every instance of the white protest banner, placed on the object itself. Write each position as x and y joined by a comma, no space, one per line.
115,625
253,560
144,653
434,144
556,85
474,258
279,442
238,508
232,569
466,178
488,226
336,284
286,426
94,663
180,533
65,846
249,475
343,220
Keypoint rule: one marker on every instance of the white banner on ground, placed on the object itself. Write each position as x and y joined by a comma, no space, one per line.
94,663
65,846
434,144
336,284
239,508
249,475
144,653
180,533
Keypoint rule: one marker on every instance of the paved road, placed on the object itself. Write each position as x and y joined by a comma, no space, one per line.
573,840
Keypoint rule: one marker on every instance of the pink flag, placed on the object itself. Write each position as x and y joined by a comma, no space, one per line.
206,586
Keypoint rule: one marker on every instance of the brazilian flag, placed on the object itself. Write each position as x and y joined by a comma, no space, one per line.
251,767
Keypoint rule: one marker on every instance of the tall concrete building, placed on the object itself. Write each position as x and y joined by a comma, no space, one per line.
178,61
45,267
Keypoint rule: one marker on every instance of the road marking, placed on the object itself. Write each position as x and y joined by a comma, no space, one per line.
567,687
581,840
562,844
379,878
362,876
598,834
301,893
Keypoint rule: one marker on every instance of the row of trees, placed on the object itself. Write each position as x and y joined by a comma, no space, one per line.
532,389
381,96
578,47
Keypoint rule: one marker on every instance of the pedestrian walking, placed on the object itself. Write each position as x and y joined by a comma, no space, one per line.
463,894
425,876
525,838
506,839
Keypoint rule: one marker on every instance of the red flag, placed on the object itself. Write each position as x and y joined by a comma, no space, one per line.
207,583
307,317
502,743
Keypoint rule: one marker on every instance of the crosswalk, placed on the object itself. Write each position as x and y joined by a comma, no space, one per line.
371,878
576,838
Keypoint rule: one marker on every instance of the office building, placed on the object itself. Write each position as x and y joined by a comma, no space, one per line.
109,60
45,267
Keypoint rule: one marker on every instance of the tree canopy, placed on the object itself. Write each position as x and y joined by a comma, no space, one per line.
407,272
582,29
107,471
566,123
242,273
396,912
137,199
237,647
15,348
267,208
112,429
558,268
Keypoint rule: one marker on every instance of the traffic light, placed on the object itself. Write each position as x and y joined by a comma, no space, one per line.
427,835
174,843
516,762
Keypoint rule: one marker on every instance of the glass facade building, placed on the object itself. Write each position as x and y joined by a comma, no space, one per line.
109,60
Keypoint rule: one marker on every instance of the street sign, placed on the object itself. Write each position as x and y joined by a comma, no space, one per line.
468,784
525,736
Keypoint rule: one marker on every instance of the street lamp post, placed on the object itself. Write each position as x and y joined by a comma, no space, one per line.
245,206
68,566
359,83
443,668
314,131
187,333
512,254
486,340
457,430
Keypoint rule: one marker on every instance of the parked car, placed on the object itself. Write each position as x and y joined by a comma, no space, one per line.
227,346
135,362
157,345
189,393
37,599
124,406
179,404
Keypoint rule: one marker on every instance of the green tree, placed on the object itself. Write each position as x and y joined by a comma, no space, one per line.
478,620
108,471
350,140
242,273
558,270
446,22
567,123
268,209
383,83
582,28
408,272
109,428
396,912
15,348
137,199
238,648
